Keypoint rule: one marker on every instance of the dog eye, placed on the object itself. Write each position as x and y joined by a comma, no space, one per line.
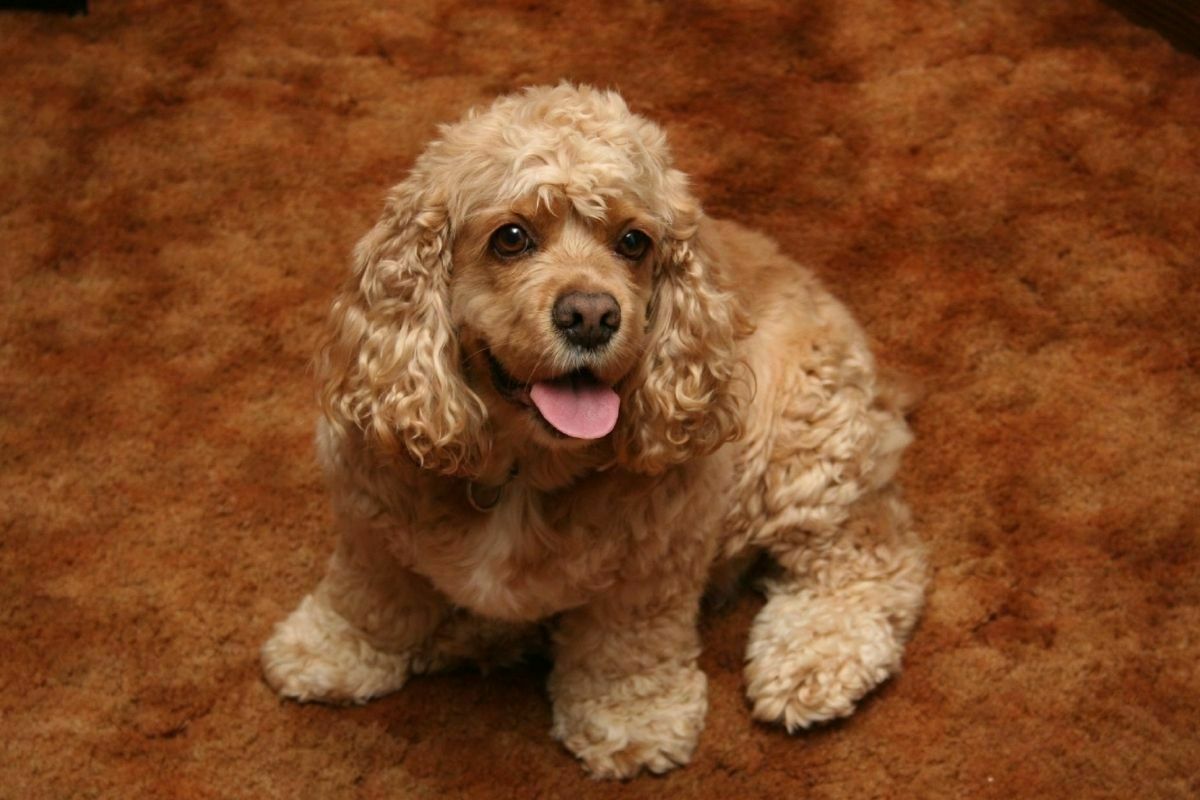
633,245
510,241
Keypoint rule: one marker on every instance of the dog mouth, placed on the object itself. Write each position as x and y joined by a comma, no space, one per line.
576,405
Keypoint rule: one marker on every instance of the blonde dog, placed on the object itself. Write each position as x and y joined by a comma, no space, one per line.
559,398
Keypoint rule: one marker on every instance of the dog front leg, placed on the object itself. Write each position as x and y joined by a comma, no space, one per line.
626,688
359,634
836,619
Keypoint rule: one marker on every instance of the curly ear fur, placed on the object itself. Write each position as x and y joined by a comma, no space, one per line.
690,385
390,364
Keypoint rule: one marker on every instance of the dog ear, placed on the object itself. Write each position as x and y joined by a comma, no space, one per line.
688,391
391,364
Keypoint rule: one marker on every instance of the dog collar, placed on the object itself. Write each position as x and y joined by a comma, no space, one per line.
483,498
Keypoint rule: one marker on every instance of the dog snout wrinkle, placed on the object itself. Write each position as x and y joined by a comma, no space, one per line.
587,319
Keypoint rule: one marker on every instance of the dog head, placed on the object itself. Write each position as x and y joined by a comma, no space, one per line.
542,274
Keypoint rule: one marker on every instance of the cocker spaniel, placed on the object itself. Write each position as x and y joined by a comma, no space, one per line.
558,402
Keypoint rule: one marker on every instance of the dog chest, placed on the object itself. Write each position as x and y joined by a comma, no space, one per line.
511,564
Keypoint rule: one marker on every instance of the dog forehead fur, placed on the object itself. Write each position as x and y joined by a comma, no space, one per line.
751,423
581,143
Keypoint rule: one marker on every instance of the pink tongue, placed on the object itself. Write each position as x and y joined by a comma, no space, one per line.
583,408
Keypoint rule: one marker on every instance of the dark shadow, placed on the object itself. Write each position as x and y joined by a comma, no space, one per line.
51,6
1177,20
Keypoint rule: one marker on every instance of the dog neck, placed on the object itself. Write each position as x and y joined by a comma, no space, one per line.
540,468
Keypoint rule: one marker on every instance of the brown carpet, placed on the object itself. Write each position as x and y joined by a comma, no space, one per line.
1006,193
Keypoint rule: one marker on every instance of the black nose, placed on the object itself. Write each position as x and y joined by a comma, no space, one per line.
586,319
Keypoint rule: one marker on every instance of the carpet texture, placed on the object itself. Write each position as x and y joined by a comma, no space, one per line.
1007,194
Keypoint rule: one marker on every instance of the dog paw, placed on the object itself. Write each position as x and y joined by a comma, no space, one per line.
810,660
619,728
316,655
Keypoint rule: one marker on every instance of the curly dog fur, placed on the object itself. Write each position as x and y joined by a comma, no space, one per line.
750,421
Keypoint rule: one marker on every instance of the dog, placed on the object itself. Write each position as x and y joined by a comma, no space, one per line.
558,401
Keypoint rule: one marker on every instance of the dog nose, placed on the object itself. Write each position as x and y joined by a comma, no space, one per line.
587,319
